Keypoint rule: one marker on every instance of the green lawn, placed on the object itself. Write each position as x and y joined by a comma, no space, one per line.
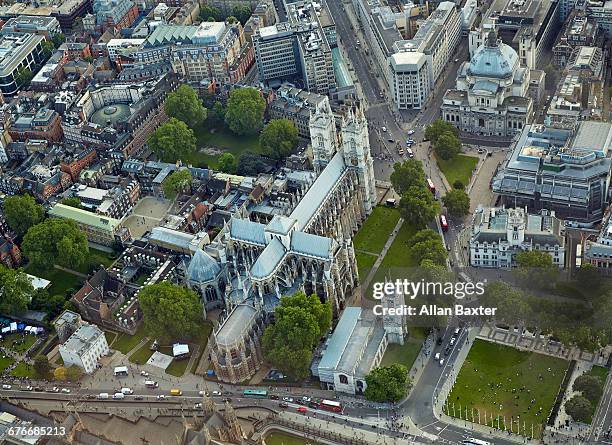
376,229
110,336
178,367
24,370
407,353
61,281
143,354
5,363
281,438
125,343
365,262
96,257
460,168
222,139
507,385
28,341
599,371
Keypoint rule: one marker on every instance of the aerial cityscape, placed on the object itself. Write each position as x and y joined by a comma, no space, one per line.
305,222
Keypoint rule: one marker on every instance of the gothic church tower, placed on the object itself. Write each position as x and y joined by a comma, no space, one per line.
323,138
356,148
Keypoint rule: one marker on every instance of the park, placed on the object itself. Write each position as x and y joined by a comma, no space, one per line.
506,389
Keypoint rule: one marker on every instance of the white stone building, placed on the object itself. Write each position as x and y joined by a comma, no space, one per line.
492,93
84,347
498,234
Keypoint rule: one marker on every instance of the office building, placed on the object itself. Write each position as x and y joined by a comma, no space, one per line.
18,51
84,348
499,234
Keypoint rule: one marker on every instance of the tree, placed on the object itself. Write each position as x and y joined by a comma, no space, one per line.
387,383
458,185
170,311
22,212
227,163
279,138
23,77
177,182
216,115
300,322
437,128
172,141
242,13
427,245
536,268
418,206
47,48
579,408
52,305
250,164
590,386
73,201
16,290
407,174
447,146
60,374
208,11
185,105
42,366
510,302
58,38
245,111
457,202
53,241
588,276
231,20
73,373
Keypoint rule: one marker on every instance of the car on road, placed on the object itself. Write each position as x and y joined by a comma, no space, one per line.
138,398
91,396
26,388
65,390
216,393
452,341
283,405
273,397
203,393
384,129
54,389
410,132
161,397
447,350
6,386
144,373
410,141
437,356
302,409
313,405
410,153
197,406
288,399
441,362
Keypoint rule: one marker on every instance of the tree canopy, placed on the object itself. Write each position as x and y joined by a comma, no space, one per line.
55,241
300,322
242,13
17,290
579,408
170,312
21,212
279,138
73,201
590,386
418,206
227,163
42,365
437,128
447,146
387,383
172,141
426,245
536,269
457,202
250,164
245,111
177,183
407,174
185,105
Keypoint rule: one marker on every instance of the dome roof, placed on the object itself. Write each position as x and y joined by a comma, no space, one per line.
202,268
493,59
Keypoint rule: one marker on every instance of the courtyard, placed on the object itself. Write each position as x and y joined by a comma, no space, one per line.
505,388
147,214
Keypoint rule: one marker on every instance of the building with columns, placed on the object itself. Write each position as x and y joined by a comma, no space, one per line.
492,93
307,249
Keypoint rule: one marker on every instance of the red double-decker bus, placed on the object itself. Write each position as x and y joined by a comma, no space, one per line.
431,186
330,405
443,223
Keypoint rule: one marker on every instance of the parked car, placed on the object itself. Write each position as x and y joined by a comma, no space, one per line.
65,390
302,409
410,132
203,393
283,405
161,397
216,393
6,386
288,399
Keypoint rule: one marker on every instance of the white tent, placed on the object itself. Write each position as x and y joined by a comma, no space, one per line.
13,327
6,329
179,349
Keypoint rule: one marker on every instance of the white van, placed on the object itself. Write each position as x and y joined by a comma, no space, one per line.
118,396
127,391
103,395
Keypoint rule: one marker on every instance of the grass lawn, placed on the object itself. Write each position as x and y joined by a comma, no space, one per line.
28,341
96,257
24,370
125,343
460,168
110,336
178,367
376,229
396,261
407,353
281,438
61,281
599,371
222,139
143,354
5,363
365,261
508,385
